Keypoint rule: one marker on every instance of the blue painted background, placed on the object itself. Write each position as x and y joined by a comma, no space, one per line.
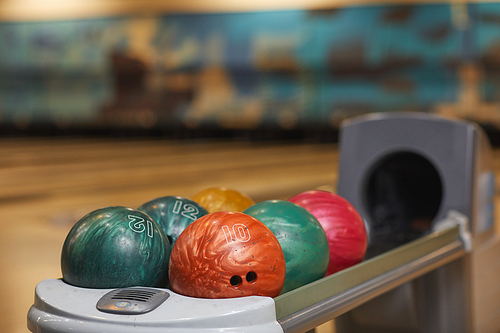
242,70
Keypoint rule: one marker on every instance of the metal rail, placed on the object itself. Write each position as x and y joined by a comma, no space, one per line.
316,303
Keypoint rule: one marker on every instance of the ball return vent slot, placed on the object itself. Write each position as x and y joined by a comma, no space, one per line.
130,301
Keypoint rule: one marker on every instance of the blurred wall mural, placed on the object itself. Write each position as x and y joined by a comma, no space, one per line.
247,70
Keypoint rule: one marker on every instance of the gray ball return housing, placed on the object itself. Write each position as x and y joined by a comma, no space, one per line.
425,187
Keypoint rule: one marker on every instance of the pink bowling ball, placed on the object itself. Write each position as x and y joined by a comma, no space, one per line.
344,227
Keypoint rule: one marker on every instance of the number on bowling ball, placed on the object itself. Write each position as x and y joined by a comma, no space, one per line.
189,211
137,225
173,214
240,232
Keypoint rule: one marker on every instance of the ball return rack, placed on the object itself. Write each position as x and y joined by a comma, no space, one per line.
63,308
435,281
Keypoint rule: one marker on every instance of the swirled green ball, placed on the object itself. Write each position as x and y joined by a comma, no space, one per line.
115,247
301,237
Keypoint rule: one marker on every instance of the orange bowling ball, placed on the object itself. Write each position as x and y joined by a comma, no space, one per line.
218,199
226,255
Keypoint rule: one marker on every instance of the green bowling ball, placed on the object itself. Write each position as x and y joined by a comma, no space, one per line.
115,247
173,214
301,237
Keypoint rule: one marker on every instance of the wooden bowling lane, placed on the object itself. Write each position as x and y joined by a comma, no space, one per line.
46,185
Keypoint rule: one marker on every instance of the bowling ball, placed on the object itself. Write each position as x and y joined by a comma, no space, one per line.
218,199
115,247
173,214
343,225
301,237
226,255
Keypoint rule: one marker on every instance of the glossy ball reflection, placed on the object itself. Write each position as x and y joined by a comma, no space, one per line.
218,199
225,255
302,239
115,247
173,214
344,227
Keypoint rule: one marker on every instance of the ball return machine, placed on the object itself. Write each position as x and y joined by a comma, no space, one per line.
425,186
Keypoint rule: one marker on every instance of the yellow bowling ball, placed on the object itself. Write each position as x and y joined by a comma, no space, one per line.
219,199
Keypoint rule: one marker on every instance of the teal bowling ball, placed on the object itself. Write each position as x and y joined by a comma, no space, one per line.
116,247
173,214
301,237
